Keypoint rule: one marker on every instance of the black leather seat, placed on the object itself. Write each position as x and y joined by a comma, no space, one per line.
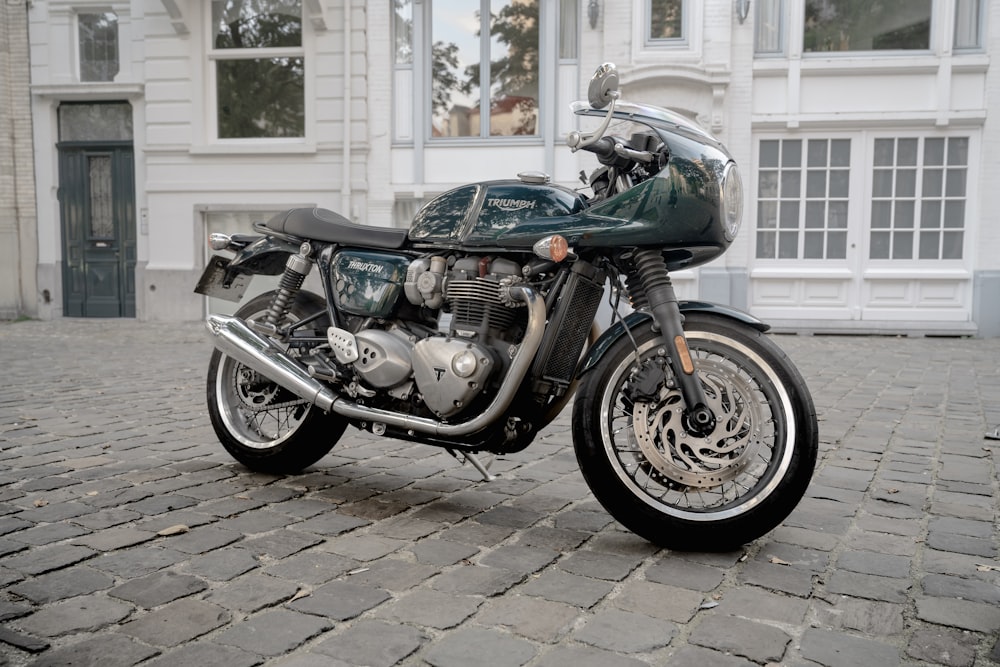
325,225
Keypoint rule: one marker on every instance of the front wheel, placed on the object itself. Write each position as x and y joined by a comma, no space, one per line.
676,486
263,426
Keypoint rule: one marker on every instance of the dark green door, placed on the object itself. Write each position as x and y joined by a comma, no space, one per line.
97,200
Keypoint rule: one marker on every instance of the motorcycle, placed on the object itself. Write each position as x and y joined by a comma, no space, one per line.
471,331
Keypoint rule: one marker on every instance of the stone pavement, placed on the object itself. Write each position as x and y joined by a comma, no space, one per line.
128,536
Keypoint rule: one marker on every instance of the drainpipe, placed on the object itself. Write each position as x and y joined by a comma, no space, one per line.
345,185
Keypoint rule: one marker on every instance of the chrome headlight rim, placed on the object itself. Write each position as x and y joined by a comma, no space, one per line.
731,188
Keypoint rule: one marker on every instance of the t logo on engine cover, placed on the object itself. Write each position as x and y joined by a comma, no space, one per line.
444,392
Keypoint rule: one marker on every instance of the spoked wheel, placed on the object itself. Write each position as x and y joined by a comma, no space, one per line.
688,488
262,425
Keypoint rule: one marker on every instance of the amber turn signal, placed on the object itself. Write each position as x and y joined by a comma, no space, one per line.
553,247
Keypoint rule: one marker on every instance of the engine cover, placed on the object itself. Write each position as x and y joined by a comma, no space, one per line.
383,358
450,373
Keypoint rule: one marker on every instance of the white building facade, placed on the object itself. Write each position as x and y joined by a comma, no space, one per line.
864,142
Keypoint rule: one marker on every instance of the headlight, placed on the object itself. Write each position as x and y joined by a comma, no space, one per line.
732,200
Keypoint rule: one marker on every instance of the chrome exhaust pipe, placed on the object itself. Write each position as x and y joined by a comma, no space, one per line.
251,349
518,369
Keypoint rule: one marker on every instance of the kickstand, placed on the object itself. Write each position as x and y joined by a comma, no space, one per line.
476,463
994,434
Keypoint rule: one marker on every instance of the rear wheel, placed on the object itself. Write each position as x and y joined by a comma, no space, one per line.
688,490
263,426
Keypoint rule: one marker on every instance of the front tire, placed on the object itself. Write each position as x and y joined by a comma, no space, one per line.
710,492
263,426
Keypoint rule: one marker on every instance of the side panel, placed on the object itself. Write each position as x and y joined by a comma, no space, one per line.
368,283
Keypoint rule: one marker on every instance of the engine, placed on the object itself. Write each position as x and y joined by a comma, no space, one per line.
451,370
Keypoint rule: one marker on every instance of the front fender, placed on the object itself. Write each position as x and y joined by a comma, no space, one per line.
637,319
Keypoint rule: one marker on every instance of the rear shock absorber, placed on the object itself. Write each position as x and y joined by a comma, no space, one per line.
662,301
296,269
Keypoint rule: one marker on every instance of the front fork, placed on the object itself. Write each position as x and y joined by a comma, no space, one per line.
662,302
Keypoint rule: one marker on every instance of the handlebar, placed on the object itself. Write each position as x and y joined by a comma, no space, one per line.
609,149
603,148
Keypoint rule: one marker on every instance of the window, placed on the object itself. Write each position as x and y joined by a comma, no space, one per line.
665,20
569,29
402,30
484,87
98,37
768,27
97,121
259,68
918,198
802,198
968,22
846,25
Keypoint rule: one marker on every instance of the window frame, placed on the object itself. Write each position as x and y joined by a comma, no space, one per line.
548,58
684,50
981,32
77,42
666,42
919,199
213,55
781,19
860,203
934,18
802,199
791,35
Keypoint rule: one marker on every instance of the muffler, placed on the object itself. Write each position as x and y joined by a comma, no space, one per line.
251,349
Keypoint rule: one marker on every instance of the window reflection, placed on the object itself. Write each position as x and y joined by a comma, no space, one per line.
259,68
403,31
845,25
261,98
98,37
256,24
510,102
514,68
666,19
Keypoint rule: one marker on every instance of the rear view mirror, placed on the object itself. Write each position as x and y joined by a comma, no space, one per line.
603,86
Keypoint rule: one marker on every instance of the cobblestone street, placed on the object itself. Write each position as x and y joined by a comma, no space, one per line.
128,536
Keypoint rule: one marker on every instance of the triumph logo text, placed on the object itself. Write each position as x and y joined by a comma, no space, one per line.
506,204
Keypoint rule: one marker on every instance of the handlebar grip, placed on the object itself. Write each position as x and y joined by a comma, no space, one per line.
603,148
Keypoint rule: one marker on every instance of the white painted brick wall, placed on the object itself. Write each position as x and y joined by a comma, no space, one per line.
18,245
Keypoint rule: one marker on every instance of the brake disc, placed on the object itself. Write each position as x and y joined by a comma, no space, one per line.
701,461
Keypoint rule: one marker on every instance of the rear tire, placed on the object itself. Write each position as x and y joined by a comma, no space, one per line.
263,426
716,491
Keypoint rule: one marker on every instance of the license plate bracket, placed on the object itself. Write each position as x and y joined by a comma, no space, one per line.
212,281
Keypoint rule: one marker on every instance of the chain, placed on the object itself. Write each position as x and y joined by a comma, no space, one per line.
250,407
275,406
